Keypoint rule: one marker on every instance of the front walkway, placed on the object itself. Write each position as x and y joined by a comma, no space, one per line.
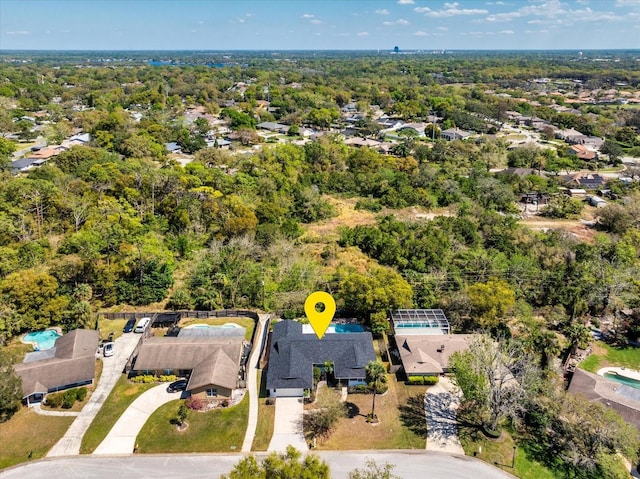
441,403
112,369
288,425
122,437
252,382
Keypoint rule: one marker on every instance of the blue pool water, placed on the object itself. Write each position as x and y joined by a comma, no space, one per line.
346,328
414,325
622,380
44,339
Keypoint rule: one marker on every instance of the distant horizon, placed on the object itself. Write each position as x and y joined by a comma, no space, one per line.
320,25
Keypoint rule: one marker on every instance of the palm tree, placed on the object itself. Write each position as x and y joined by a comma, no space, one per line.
376,379
328,369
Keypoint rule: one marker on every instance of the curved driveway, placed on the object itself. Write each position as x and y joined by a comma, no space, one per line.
112,368
122,437
408,465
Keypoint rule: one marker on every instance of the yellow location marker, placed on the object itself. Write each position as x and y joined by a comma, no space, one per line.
320,320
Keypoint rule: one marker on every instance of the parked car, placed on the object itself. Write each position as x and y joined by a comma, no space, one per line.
108,349
179,385
129,326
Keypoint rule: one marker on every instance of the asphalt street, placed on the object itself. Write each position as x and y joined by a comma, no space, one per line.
408,464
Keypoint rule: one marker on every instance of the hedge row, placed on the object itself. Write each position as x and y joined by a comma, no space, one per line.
150,378
423,380
66,399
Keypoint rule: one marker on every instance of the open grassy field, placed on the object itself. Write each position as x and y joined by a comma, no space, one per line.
122,395
266,416
28,436
218,430
604,355
390,433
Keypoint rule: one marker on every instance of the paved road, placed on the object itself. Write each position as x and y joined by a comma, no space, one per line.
409,465
113,366
287,428
252,382
122,437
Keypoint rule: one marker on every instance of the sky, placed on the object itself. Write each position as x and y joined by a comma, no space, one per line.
319,25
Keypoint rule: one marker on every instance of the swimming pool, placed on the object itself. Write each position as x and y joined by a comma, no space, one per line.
208,326
45,339
622,380
335,328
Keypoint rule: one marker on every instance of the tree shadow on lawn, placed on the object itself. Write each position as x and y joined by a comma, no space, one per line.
352,410
443,419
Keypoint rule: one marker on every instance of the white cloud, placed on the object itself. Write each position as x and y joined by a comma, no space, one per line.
507,32
308,15
316,22
450,10
383,11
363,34
406,2
420,33
443,29
18,32
401,21
627,3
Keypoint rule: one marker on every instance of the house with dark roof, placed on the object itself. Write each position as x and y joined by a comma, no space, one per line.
212,364
293,355
70,363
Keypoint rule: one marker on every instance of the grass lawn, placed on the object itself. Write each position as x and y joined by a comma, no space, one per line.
16,350
122,395
107,326
218,430
266,417
606,355
247,323
500,452
390,433
27,432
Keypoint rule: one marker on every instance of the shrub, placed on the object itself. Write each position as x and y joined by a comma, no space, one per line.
144,378
194,403
68,399
431,380
422,380
270,401
365,389
81,394
168,378
54,400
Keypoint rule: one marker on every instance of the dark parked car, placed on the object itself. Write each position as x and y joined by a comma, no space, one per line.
129,326
179,385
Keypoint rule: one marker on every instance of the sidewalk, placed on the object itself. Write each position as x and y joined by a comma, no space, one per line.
112,369
252,382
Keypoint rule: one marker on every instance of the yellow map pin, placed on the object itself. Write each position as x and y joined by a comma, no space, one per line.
320,321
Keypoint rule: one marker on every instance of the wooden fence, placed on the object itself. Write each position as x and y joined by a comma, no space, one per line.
223,313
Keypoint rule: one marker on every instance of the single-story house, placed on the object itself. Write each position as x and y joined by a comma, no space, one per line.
70,363
293,355
583,153
588,181
451,134
211,363
272,126
428,355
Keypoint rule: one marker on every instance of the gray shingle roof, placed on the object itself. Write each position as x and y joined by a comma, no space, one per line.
293,354
74,362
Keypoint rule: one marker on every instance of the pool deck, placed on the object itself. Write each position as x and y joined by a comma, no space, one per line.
622,372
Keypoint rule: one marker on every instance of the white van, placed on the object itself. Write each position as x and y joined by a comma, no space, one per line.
142,325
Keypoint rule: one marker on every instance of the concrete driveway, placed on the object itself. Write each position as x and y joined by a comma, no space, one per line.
122,437
441,402
112,369
287,428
